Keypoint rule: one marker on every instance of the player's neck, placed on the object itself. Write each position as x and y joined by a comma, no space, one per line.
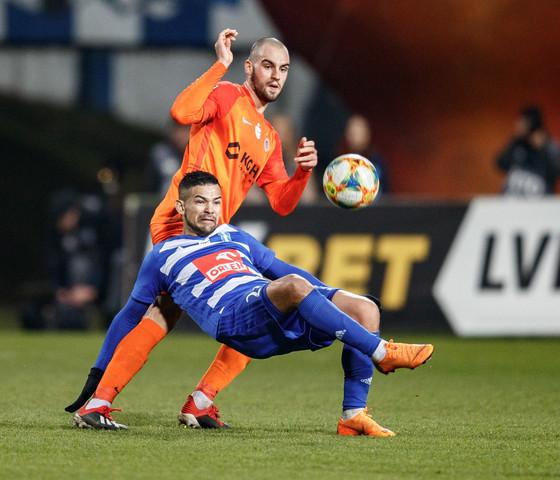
260,106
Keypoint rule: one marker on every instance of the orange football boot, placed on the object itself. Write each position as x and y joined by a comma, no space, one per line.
363,424
404,355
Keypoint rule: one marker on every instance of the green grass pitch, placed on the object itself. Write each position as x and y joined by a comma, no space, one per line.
478,409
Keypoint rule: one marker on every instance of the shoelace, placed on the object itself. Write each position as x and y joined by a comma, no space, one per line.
365,410
214,412
106,411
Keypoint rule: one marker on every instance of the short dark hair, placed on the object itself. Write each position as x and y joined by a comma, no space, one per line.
197,178
534,117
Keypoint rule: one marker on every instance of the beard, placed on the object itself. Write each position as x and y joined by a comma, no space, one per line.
201,231
260,90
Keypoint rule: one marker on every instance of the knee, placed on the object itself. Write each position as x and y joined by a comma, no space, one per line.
164,312
287,292
296,286
367,314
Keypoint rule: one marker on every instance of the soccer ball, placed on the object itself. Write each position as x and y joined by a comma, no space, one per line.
351,181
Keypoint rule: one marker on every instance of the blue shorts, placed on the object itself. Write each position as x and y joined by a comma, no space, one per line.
256,328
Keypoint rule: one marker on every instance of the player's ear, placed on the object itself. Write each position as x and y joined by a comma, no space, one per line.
180,206
248,67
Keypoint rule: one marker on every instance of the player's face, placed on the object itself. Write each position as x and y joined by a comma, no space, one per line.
201,210
268,73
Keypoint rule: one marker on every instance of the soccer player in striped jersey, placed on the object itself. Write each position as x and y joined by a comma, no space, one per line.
231,139
238,292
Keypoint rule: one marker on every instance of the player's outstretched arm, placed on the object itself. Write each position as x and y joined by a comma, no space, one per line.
279,269
284,192
191,105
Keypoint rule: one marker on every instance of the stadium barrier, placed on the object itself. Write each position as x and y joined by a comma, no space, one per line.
489,267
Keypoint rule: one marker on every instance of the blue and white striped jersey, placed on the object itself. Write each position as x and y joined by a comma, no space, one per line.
204,275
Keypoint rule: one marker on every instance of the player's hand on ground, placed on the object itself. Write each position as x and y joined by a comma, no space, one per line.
223,46
92,381
306,156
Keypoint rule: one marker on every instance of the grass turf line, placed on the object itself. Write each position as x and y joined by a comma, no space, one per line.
478,409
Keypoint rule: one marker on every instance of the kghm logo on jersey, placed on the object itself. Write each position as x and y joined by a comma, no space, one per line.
246,163
218,265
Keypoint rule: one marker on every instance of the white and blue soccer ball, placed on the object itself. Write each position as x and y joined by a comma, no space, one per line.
351,181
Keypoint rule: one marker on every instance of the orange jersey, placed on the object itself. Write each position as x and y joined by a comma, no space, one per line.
233,141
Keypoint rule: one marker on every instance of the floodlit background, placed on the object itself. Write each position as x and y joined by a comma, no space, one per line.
85,93
86,149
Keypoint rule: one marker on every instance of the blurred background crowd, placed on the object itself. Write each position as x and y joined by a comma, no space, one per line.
449,100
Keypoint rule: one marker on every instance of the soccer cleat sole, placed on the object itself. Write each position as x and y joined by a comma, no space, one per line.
386,372
79,422
188,420
363,425
353,433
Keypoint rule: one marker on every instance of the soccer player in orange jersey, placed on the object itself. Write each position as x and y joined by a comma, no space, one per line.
231,139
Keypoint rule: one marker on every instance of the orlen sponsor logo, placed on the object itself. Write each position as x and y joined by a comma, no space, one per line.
216,266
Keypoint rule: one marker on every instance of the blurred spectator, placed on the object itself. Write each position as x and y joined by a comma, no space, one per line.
166,157
532,158
357,138
76,263
74,257
284,126
255,196
109,178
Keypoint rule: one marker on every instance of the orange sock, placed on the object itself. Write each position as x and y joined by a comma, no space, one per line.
226,366
130,355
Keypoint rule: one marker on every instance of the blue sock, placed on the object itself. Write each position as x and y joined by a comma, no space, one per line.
122,324
324,315
358,371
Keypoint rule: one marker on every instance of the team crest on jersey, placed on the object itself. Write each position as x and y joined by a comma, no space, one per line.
266,144
258,131
254,293
218,265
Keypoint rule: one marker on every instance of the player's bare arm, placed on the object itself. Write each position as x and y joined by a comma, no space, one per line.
223,46
306,156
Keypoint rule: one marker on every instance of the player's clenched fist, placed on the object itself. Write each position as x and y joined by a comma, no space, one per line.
223,46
